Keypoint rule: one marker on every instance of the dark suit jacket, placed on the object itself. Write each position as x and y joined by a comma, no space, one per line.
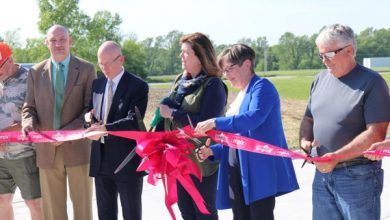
105,158
39,106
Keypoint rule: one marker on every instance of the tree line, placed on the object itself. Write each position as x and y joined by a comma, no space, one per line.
160,55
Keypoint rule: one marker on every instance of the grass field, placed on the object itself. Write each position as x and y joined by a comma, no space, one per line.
290,73
293,90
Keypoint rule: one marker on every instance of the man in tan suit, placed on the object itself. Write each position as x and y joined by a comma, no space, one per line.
58,96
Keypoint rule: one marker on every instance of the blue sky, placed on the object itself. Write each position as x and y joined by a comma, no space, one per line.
225,21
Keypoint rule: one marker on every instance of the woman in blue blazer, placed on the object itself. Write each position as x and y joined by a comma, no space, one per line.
249,182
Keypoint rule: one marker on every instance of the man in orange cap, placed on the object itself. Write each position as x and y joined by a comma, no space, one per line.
5,53
17,160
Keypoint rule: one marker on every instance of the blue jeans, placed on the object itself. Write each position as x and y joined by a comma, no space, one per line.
348,193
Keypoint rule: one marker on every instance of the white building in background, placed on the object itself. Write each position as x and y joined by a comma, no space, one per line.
376,62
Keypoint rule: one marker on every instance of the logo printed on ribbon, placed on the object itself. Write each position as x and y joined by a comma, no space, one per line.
221,138
21,138
59,137
4,137
239,142
37,136
263,149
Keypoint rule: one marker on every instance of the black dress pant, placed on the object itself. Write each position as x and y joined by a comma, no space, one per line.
130,191
262,209
207,188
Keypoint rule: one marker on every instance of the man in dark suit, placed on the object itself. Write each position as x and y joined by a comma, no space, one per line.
58,96
114,98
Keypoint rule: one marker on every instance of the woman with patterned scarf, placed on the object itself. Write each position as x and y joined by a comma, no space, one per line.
198,94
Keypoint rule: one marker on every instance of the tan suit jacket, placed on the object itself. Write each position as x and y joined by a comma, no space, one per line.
39,107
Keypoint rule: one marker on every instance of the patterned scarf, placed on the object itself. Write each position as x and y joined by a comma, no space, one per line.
186,85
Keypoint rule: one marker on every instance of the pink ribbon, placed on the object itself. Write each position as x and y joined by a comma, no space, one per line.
225,138
256,146
165,155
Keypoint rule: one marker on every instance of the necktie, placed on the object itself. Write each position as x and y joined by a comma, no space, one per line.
108,101
59,86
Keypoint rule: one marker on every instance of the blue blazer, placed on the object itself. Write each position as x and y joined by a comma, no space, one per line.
261,175
105,158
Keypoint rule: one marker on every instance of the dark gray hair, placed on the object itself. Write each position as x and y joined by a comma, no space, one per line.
341,35
237,54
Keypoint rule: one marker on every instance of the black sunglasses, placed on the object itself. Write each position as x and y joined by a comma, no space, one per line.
331,54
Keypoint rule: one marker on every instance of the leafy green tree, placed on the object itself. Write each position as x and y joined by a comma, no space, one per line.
64,12
260,46
34,52
87,34
135,58
373,43
163,53
311,60
155,63
219,48
291,50
172,44
12,38
104,26
272,58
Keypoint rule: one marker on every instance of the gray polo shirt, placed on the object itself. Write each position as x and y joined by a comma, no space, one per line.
342,107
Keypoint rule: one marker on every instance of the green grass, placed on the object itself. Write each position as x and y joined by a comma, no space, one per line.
161,86
295,87
382,69
387,78
161,79
299,87
306,72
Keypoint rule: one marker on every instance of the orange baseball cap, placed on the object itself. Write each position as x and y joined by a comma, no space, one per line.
5,52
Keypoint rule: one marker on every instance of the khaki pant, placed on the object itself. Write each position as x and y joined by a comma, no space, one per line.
54,190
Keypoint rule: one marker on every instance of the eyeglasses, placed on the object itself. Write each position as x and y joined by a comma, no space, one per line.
331,54
228,69
5,61
109,64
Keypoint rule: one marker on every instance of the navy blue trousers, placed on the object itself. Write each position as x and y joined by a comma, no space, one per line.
130,191
208,190
262,209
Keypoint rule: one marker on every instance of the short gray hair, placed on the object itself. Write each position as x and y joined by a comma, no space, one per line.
339,34
57,26
237,54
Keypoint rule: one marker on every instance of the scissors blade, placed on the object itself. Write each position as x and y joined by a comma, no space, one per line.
196,140
189,121
308,153
125,161
141,124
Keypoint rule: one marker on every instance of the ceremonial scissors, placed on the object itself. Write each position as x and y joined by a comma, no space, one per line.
199,143
308,154
133,152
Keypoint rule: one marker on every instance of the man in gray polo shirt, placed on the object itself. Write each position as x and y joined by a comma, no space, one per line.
348,110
